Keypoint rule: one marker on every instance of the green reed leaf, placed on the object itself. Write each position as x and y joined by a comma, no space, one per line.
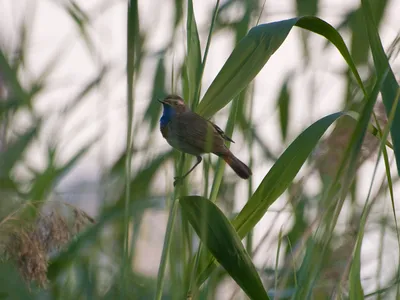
224,243
390,85
193,59
253,52
356,291
282,174
277,180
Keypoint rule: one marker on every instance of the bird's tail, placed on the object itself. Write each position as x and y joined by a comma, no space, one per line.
239,167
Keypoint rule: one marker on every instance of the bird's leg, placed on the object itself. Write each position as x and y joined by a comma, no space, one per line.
179,179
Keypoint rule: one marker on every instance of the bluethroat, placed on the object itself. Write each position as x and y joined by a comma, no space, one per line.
190,133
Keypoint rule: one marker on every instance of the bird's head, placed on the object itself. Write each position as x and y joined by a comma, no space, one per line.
173,105
175,102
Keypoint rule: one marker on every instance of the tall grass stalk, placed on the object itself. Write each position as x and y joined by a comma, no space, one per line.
132,32
168,234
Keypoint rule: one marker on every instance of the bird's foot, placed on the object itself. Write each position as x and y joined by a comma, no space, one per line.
178,180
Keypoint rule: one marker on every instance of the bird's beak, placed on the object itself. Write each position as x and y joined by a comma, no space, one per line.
161,101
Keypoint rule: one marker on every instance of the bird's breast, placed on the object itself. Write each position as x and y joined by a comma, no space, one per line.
164,131
169,132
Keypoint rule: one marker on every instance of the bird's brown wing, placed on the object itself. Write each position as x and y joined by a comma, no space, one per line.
222,133
197,132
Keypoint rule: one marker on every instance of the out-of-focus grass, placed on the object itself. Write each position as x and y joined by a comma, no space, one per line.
318,254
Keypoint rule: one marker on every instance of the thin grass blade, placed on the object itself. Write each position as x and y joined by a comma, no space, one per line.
390,85
193,59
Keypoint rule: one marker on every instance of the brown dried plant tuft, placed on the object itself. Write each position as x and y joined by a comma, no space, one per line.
331,150
30,245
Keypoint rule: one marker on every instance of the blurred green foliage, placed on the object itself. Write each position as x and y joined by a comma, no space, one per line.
319,257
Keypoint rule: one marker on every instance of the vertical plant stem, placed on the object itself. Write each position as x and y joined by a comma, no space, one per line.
384,136
132,30
249,238
166,247
196,101
214,189
277,264
380,255
168,235
3,120
221,165
173,258
203,62
191,288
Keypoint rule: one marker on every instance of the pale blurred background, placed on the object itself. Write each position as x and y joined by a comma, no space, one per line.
317,87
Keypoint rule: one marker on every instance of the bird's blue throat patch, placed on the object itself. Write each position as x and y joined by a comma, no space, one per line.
168,114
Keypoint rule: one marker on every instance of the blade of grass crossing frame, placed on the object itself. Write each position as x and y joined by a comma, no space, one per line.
246,60
281,174
169,233
132,34
219,174
224,243
203,62
388,172
390,85
221,164
193,59
359,133
356,290
276,182
253,52
344,177
278,250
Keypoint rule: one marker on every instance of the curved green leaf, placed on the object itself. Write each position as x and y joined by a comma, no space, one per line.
223,242
253,52
279,177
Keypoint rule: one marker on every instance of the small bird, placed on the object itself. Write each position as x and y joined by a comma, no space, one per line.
190,133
